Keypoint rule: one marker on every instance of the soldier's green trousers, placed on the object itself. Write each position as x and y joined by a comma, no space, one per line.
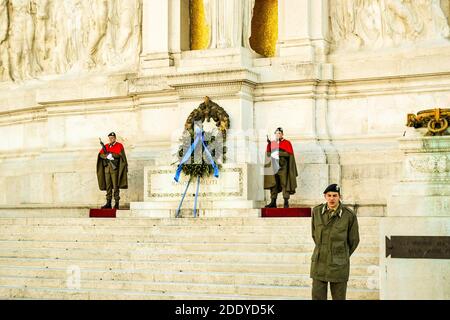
320,290
112,183
274,190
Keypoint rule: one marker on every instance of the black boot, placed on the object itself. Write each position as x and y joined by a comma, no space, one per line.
286,203
116,205
272,204
107,205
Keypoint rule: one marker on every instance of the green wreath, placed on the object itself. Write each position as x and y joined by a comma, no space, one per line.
205,112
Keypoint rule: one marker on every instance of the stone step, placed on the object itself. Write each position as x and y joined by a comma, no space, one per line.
38,212
188,213
19,292
187,258
217,247
117,265
171,238
300,292
295,233
142,254
156,229
271,279
363,221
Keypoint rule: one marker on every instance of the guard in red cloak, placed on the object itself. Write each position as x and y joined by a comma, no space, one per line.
112,169
280,169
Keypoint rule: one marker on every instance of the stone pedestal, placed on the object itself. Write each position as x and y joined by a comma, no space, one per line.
237,192
419,206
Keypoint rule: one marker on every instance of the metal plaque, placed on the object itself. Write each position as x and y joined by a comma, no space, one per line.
418,247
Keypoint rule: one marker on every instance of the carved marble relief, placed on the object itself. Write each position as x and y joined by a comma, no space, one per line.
358,24
45,37
4,23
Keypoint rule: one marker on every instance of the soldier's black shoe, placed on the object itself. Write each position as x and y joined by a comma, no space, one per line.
272,204
286,203
107,205
116,205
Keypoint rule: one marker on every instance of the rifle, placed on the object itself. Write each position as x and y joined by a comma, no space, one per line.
106,153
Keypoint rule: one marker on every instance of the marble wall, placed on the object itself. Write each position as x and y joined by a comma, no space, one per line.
341,94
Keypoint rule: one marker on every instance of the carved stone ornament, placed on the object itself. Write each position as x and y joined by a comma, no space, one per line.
430,164
49,37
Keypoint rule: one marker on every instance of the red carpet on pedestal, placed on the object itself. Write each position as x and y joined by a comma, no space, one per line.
285,212
102,213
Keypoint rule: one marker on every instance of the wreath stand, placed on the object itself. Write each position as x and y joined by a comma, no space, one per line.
184,194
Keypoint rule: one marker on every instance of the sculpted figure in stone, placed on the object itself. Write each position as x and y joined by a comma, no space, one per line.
97,26
4,21
368,23
434,11
415,19
60,60
124,36
401,21
212,19
445,5
78,28
230,22
237,23
4,25
380,23
52,36
248,6
62,26
343,17
42,16
21,35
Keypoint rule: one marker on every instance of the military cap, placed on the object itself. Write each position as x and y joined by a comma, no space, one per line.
279,129
333,188
112,134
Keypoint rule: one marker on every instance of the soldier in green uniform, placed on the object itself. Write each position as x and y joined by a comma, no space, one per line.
335,234
112,169
280,169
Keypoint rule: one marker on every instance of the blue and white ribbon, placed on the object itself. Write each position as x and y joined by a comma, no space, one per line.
198,137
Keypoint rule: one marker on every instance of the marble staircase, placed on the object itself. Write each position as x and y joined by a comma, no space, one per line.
165,258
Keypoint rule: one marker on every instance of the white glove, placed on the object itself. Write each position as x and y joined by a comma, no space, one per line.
275,154
109,156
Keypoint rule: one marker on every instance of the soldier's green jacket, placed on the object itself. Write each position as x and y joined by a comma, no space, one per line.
122,170
335,242
287,173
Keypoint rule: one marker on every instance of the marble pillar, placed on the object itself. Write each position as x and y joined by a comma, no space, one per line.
303,39
164,32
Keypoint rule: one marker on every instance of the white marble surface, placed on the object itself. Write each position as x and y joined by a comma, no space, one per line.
411,279
418,206
343,110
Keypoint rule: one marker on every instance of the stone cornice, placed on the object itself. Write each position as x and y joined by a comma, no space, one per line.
212,76
376,86
214,83
426,144
22,116
130,92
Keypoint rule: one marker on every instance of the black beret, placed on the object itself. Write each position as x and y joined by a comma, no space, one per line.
279,129
333,188
112,134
